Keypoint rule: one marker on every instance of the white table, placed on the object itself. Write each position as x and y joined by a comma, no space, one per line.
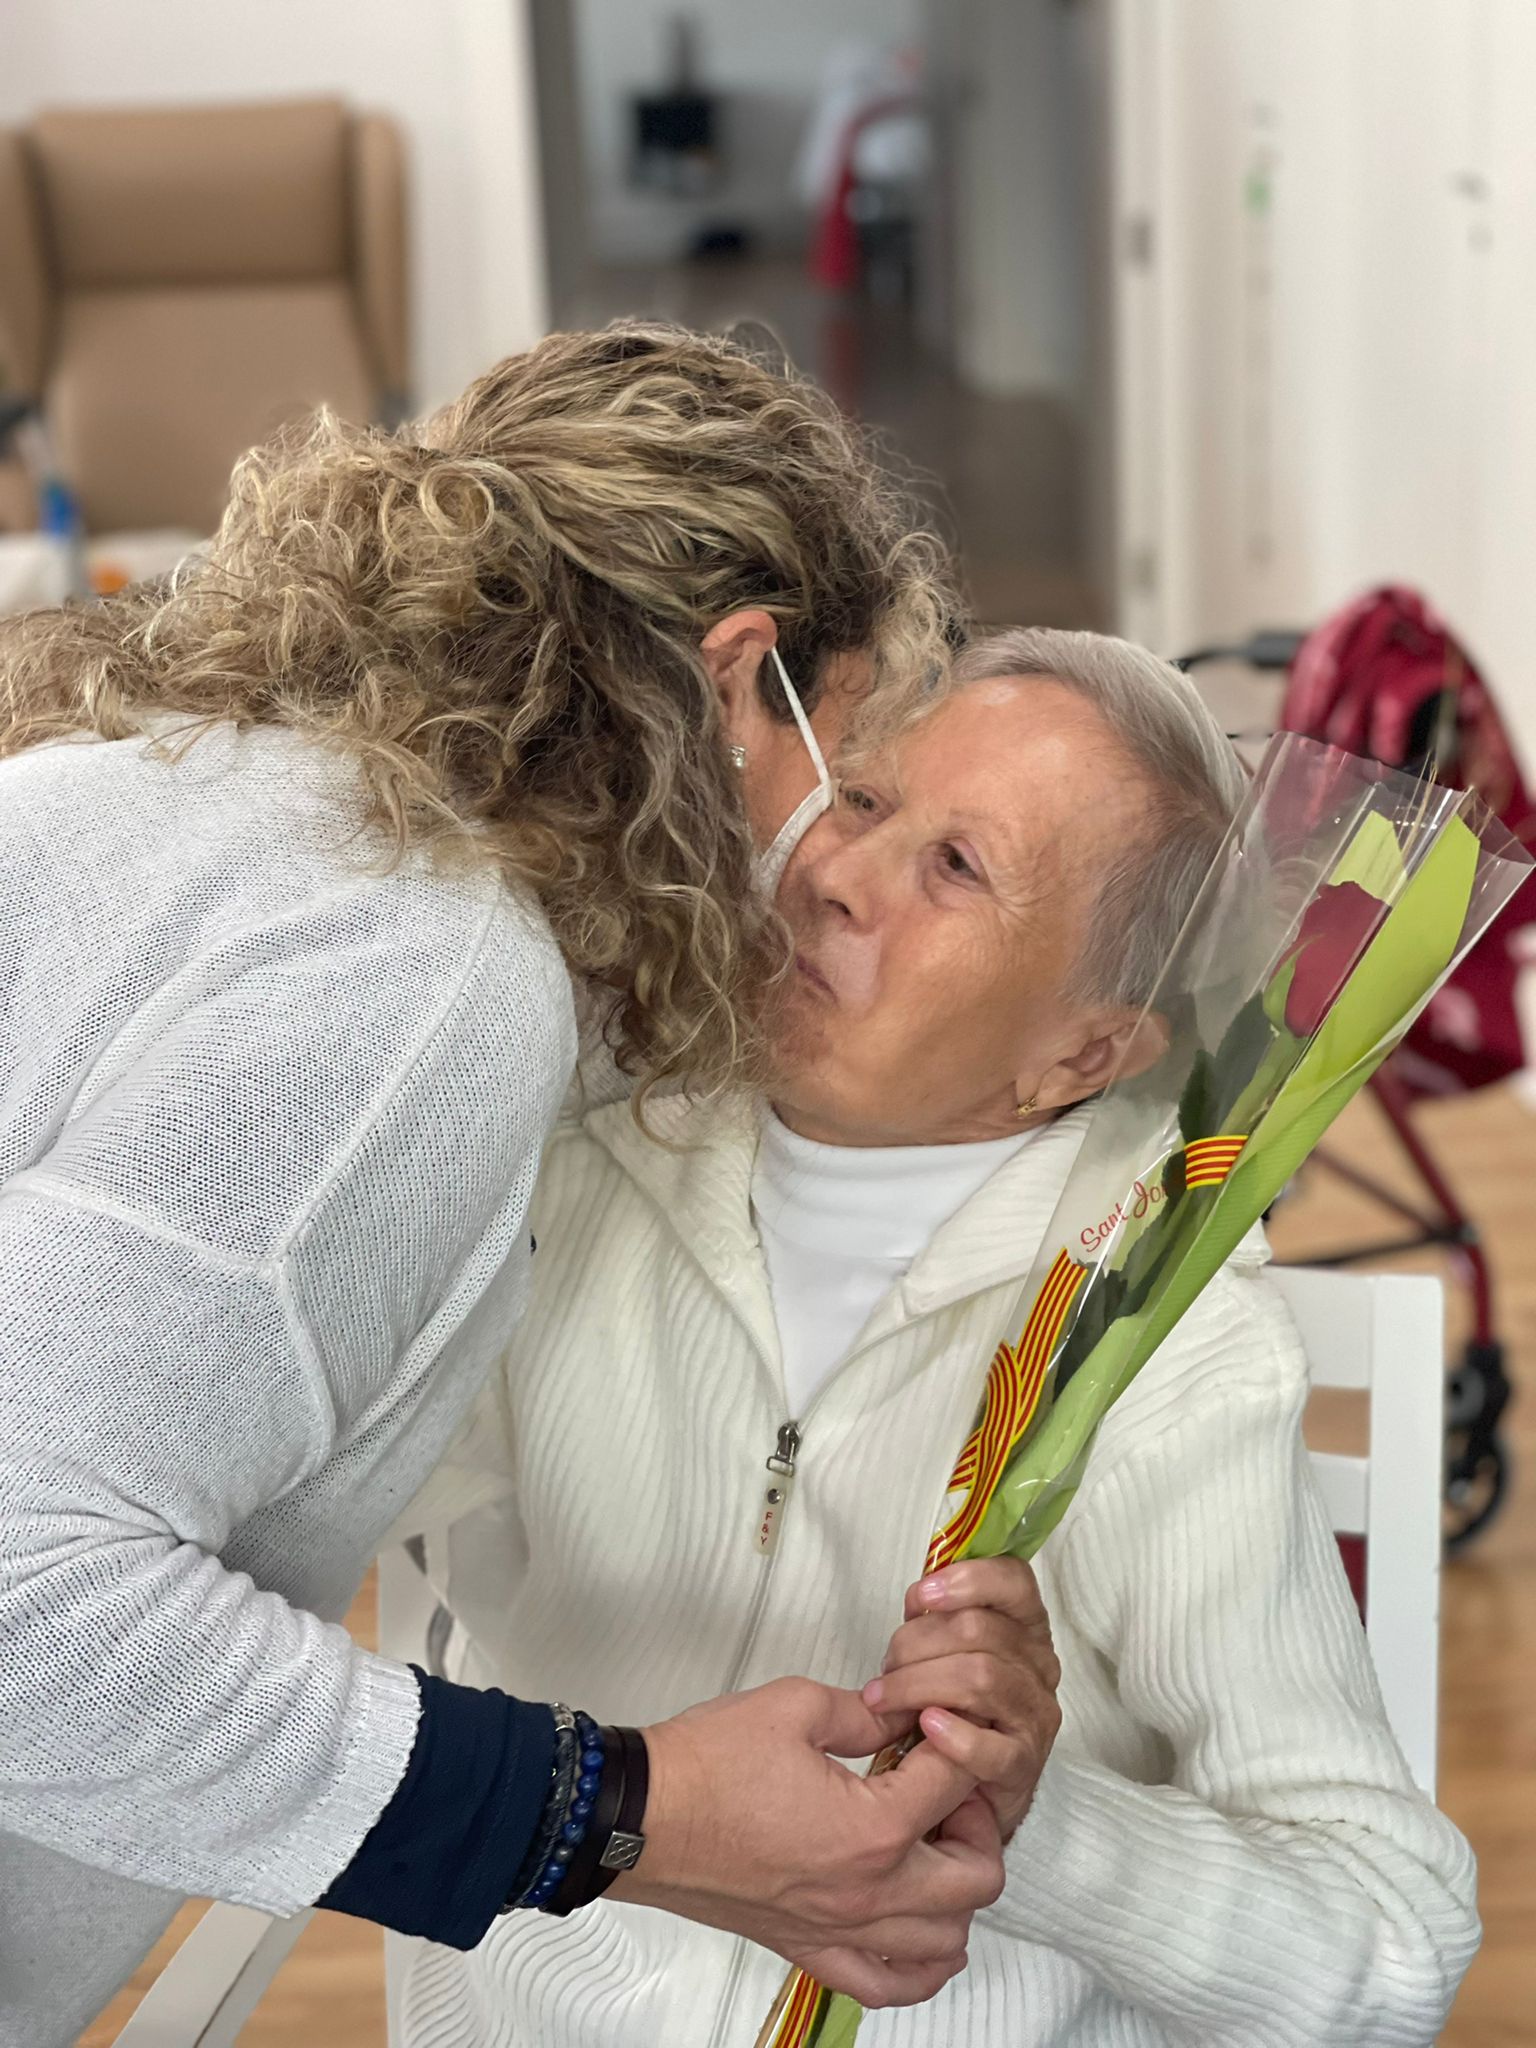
34,567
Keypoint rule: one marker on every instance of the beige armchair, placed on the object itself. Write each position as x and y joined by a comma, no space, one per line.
176,283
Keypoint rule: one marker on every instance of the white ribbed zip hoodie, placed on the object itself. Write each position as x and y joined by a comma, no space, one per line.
1226,1846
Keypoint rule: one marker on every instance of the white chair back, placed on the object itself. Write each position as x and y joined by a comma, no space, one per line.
1383,1334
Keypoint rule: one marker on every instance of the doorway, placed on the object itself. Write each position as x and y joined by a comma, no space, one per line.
906,194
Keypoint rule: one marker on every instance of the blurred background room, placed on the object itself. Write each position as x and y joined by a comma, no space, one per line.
1193,320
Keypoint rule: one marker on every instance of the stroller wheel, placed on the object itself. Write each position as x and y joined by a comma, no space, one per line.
1475,1486
1476,1462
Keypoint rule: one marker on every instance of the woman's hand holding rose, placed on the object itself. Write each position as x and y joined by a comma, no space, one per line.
973,1665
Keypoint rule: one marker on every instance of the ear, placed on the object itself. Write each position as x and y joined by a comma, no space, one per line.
733,652
1114,1044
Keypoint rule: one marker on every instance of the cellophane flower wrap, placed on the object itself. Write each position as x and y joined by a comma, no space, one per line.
1343,895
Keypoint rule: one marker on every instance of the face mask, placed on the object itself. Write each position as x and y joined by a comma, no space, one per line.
771,864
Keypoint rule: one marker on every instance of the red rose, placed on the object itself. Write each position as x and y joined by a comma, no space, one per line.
1335,929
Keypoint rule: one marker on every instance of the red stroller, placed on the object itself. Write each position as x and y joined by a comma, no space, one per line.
1385,677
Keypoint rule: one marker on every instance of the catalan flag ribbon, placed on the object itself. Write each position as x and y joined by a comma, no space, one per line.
1014,1383
1013,1393
801,2004
1209,1160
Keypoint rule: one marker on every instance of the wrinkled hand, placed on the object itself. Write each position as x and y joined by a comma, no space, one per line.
751,1824
973,1662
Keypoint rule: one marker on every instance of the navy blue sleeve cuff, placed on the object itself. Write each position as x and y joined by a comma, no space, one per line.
441,1858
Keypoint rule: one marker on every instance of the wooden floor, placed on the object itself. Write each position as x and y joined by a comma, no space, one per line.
330,1993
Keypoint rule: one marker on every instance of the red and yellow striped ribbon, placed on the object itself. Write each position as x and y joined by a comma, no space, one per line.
1013,1394
1014,1381
805,2000
1209,1160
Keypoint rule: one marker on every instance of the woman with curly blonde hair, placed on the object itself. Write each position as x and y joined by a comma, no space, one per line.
303,858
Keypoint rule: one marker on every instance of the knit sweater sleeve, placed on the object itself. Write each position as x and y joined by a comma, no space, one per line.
1286,1887
234,1268
160,1716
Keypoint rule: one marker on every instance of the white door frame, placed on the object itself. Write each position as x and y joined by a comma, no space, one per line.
1138,340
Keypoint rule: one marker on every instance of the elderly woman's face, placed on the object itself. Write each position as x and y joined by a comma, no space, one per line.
938,913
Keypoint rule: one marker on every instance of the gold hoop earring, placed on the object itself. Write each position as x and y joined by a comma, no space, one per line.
1027,1108
738,757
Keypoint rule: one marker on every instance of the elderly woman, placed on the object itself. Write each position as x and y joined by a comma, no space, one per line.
727,1429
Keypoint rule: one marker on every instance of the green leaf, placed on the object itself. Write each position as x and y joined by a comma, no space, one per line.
1102,1305
1197,1104
1274,1070
1241,1053
839,2024
1278,994
1147,1259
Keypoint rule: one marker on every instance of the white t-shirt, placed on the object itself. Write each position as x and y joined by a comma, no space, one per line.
840,1225
269,1123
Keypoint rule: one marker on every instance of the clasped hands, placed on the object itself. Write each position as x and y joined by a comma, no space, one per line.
870,1884
973,1665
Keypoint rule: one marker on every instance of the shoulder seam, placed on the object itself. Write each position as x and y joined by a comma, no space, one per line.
312,1380
288,1240
289,1235
37,1180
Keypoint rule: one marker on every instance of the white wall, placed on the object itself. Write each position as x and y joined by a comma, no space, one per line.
454,72
1327,380
562,152
767,61
1020,135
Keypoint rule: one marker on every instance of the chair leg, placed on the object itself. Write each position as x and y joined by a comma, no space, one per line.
214,1982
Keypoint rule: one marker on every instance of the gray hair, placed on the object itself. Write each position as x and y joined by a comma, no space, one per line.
1158,717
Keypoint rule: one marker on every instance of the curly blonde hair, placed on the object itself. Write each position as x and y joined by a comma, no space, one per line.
500,617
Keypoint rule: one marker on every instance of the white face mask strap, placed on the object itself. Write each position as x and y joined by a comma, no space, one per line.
772,863
800,718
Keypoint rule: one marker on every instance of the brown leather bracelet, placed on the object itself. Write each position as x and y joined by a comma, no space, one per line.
622,1849
614,1838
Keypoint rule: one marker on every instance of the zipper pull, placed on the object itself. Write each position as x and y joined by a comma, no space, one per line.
776,1497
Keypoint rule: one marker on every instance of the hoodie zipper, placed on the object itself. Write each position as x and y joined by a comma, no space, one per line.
769,1511
768,1526
775,1502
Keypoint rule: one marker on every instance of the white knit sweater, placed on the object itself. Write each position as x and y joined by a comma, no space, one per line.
269,1124
1226,1847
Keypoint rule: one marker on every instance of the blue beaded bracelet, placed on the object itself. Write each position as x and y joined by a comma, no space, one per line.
572,1830
575,1777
